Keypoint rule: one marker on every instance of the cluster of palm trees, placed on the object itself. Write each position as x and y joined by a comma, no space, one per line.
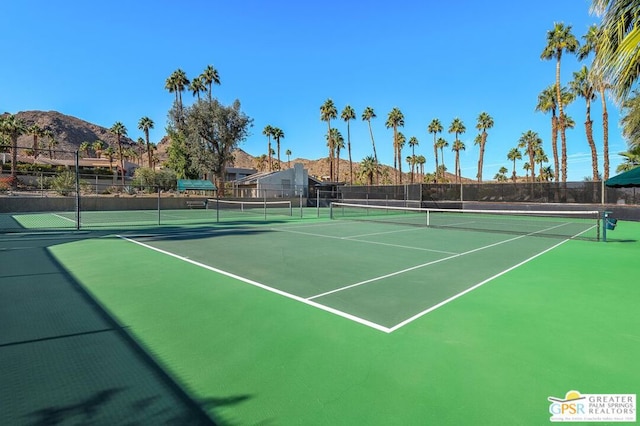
276,133
178,82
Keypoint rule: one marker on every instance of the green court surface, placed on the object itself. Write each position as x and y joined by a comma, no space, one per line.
317,321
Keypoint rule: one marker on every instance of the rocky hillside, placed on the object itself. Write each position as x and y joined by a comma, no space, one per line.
68,132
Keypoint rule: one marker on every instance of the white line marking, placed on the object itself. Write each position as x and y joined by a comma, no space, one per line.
462,293
423,265
265,287
65,218
363,241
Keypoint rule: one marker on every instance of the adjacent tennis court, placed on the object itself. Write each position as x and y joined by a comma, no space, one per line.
372,317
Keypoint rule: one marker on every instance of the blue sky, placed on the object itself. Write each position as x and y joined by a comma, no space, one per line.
108,61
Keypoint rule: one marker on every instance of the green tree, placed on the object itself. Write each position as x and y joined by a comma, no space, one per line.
591,45
35,131
338,143
367,115
435,127
458,146
12,127
441,143
277,135
145,124
369,168
120,130
288,154
413,142
268,132
210,77
485,122
110,153
631,120
347,115
98,147
501,176
581,86
51,142
513,155
329,112
457,127
530,141
631,160
395,119
197,86
618,56
540,157
176,83
85,147
560,40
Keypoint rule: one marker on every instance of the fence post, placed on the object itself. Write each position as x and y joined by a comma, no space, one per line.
77,164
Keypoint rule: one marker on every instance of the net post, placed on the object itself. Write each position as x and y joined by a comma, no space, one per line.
77,164
158,205
217,207
318,202
331,210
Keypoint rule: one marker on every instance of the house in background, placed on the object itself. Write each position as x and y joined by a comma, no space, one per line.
287,183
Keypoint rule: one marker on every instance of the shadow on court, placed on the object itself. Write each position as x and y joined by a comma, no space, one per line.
65,360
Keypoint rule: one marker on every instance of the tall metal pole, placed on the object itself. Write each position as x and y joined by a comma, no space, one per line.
77,163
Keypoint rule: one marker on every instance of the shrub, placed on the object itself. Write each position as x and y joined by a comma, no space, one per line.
64,183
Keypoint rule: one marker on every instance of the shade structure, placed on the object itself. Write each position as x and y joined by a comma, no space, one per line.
195,185
628,179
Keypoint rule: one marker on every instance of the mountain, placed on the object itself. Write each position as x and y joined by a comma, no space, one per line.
69,132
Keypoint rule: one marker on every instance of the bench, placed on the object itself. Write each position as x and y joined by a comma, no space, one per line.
196,204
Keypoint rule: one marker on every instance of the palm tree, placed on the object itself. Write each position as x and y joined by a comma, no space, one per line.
530,141
591,41
547,174
277,135
209,77
367,115
395,119
86,148
618,55
98,146
268,132
547,102
110,153
401,140
527,167
442,144
369,168
485,122
631,160
13,127
145,124
501,176
435,127
35,131
458,146
631,120
457,127
539,157
413,142
288,154
119,130
337,140
176,83
513,155
581,86
328,112
559,40
51,141
347,115
141,149
421,160
261,162
196,86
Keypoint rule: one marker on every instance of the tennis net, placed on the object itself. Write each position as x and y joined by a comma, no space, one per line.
557,223
235,209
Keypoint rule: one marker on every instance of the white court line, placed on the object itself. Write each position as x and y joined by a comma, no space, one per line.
65,218
425,264
351,238
265,287
462,293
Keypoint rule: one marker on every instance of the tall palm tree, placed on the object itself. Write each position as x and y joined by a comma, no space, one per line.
288,154
485,122
369,168
560,40
347,115
268,132
547,103
401,140
631,160
328,112
210,77
367,115
98,147
110,153
457,128
51,141
530,141
631,120
458,146
277,135
421,160
527,168
13,127
513,155
501,176
85,147
435,127
119,130
35,131
540,157
413,142
176,83
581,86
197,86
145,124
395,119
338,143
599,81
618,57
442,143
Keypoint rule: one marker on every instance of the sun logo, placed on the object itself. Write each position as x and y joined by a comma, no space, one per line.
569,405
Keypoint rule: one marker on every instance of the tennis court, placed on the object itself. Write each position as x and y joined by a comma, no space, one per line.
308,320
